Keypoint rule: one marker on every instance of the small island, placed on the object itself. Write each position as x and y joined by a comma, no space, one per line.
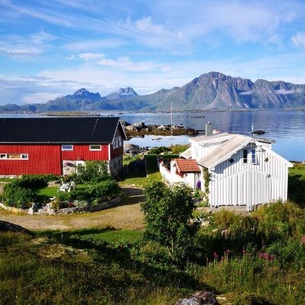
140,129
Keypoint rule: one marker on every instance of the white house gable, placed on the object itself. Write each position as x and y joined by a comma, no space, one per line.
243,170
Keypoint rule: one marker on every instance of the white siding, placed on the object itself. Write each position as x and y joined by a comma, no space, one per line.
249,184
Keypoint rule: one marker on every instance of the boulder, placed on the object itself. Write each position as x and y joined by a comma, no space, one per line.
199,298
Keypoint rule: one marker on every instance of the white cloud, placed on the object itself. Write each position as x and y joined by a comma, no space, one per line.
93,44
299,40
146,32
26,46
42,36
285,92
126,64
91,56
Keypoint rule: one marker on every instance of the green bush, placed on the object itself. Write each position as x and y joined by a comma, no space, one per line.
100,192
21,192
18,197
92,172
35,181
158,150
168,212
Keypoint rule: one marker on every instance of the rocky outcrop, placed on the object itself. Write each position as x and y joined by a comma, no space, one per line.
199,298
140,129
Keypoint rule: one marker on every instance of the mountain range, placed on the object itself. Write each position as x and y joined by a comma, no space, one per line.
210,91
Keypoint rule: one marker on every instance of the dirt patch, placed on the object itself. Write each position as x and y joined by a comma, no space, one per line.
127,216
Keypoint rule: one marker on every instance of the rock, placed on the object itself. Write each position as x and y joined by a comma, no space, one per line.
199,298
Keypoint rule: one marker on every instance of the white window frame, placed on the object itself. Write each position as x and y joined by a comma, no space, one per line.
67,147
95,149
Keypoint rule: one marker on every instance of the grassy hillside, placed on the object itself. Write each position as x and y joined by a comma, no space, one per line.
256,258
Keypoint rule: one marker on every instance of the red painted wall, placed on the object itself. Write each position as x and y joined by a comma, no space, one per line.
83,152
43,159
46,159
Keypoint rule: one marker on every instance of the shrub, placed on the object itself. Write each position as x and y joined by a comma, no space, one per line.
100,192
18,197
158,150
224,219
168,213
92,172
21,192
32,181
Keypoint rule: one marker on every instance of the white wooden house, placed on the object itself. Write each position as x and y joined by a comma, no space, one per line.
237,170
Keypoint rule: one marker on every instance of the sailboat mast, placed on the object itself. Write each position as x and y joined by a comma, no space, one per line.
171,118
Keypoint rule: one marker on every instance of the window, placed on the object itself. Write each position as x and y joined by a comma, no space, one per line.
117,142
253,156
66,147
95,147
245,155
11,156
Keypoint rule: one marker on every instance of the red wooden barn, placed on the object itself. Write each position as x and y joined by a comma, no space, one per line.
56,145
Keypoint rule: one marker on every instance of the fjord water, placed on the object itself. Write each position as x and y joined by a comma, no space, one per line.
286,128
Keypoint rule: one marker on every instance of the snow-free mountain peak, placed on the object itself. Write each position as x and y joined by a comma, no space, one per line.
85,94
121,93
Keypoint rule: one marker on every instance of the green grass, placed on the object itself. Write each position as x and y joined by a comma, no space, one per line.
106,266
109,235
141,182
48,192
103,266
296,184
82,267
297,169
142,177
7,179
262,259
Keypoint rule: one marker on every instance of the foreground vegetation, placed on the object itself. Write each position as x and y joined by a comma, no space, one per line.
261,257
94,185
256,258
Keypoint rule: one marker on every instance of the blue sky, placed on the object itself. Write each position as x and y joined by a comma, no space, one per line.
52,48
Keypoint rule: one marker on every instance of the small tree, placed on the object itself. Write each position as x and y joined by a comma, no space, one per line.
168,214
92,172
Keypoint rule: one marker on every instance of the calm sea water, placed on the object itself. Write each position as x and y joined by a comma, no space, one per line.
286,128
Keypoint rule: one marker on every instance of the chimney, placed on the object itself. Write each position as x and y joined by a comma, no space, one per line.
208,129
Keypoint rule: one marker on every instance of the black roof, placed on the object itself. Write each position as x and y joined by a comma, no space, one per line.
59,129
